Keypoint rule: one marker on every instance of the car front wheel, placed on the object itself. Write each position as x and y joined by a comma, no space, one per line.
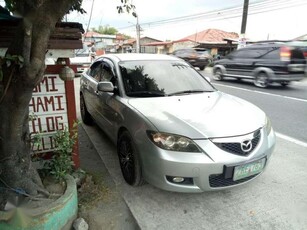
217,75
202,67
129,160
261,80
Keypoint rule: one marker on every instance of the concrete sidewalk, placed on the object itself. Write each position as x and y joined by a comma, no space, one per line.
111,212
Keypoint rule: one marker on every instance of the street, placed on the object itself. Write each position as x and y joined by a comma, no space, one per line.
285,106
275,200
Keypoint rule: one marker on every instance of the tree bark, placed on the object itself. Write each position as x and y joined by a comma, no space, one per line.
30,42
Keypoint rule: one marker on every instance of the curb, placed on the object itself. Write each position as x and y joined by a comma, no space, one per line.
122,214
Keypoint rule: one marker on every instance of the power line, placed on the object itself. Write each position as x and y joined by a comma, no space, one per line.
228,13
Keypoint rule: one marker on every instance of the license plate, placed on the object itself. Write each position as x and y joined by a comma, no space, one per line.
246,170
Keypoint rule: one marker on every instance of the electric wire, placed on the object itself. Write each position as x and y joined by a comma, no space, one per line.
227,13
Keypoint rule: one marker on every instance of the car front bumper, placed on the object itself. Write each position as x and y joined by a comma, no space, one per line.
202,172
287,77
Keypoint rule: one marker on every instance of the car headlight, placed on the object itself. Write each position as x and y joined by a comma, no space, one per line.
267,126
173,142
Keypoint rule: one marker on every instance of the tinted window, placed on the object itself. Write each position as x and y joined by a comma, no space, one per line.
95,70
272,54
250,53
106,73
185,52
164,77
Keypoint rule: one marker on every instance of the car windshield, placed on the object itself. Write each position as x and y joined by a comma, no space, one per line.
161,78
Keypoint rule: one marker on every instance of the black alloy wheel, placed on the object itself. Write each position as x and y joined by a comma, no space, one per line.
85,115
129,160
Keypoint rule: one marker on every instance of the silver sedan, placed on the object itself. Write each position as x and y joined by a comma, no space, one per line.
172,128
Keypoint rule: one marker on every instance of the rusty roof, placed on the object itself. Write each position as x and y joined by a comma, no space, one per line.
211,36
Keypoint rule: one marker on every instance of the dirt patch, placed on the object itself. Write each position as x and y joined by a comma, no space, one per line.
92,190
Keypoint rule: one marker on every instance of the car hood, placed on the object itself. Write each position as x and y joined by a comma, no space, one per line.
203,115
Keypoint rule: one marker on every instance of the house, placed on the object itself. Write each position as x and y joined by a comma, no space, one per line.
301,38
170,46
101,43
217,41
145,45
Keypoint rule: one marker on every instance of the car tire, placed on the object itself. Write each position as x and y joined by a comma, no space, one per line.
284,83
202,67
217,75
85,115
129,160
261,80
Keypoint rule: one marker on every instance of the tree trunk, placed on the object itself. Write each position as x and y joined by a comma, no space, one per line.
30,42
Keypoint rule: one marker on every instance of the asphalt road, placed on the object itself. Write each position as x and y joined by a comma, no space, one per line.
275,200
285,106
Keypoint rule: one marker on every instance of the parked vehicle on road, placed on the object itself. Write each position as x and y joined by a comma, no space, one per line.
172,128
263,63
195,58
204,53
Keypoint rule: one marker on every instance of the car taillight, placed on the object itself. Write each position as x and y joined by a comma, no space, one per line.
285,53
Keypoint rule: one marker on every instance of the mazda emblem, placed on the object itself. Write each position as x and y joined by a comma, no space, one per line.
246,146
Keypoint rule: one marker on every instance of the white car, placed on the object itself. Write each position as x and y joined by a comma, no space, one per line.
172,128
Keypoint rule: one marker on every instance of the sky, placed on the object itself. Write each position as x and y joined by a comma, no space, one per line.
267,19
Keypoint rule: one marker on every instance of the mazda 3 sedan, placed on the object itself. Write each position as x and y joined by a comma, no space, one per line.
172,128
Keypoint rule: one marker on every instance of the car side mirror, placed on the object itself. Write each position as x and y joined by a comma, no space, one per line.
105,86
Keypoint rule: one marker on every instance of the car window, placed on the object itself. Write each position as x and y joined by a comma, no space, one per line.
249,53
185,52
165,77
272,54
95,70
106,73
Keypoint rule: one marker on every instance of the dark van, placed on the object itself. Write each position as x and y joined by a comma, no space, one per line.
263,63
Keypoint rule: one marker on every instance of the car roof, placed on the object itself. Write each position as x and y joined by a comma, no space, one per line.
138,57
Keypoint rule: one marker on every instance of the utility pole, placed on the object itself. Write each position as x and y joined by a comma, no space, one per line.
137,34
244,16
242,39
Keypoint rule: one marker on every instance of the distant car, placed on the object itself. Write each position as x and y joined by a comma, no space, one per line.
263,63
204,53
193,57
172,128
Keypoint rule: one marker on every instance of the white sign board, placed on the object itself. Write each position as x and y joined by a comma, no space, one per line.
48,111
